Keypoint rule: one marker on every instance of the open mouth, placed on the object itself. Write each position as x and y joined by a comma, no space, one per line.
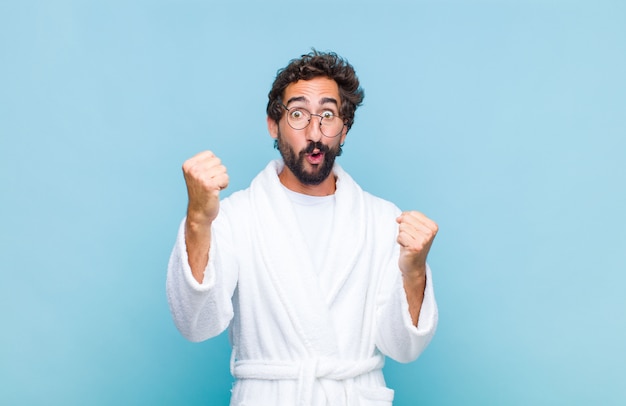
315,157
315,152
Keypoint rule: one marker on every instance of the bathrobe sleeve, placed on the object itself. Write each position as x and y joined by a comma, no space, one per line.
396,336
203,310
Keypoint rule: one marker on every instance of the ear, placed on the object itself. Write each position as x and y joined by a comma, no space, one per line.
344,133
272,127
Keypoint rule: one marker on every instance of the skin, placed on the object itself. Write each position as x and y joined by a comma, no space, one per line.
205,177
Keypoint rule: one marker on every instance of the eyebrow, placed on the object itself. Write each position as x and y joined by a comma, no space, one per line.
324,100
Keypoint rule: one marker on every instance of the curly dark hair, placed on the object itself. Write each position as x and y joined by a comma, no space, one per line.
312,65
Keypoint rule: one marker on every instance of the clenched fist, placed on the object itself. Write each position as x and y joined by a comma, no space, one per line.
205,177
416,233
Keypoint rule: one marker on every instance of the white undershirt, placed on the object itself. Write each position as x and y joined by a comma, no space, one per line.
315,215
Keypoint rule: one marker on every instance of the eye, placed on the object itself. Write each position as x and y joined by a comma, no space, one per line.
328,115
297,114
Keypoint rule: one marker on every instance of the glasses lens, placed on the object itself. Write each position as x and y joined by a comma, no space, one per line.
298,118
331,126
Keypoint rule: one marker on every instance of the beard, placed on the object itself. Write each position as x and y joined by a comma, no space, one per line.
295,161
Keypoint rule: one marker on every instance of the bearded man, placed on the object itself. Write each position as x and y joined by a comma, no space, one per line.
316,279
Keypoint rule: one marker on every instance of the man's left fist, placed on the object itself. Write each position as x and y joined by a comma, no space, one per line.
416,233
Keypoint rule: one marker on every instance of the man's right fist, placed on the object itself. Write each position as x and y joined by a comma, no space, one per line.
205,176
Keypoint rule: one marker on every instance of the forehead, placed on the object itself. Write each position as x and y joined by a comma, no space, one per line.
313,91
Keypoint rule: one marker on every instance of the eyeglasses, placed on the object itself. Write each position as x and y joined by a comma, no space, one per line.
299,118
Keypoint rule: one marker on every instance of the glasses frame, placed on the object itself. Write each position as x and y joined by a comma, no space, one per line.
343,123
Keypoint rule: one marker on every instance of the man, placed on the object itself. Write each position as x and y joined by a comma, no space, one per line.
316,279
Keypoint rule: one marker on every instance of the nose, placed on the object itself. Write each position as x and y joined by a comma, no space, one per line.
314,129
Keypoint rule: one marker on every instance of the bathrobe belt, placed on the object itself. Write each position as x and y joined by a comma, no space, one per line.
306,372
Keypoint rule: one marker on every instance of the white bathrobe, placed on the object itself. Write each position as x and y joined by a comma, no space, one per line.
302,336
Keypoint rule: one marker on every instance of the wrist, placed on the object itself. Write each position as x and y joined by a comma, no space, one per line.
416,274
197,219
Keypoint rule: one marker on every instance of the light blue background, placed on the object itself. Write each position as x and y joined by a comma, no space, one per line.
505,121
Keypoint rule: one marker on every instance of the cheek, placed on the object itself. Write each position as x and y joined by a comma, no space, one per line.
335,143
291,137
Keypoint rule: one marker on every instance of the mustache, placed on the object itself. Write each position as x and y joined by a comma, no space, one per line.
313,145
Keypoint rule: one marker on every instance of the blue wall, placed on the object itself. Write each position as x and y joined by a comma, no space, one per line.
505,121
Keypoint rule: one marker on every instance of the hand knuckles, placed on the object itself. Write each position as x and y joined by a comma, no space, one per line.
187,165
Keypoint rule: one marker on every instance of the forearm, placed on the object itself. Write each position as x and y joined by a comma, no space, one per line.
198,243
398,336
414,286
200,311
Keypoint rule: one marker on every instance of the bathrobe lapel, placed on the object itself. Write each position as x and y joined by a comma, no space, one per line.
347,238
